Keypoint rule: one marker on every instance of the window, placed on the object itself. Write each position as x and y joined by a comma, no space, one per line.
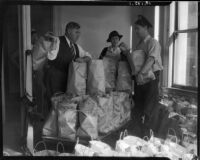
156,22
183,33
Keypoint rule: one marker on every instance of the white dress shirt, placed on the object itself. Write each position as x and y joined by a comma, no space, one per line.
53,54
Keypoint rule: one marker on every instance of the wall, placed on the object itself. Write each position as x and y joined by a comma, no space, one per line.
11,50
96,23
43,23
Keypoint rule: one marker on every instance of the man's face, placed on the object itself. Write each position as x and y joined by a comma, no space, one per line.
140,31
74,34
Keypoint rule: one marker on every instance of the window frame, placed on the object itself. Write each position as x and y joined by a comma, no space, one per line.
174,37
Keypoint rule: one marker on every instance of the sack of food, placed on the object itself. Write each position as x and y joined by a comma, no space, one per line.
124,81
176,149
122,101
88,119
101,148
81,150
67,119
105,120
96,78
122,146
77,75
110,70
136,60
56,99
50,127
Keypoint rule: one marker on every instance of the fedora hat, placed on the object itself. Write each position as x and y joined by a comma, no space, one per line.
113,34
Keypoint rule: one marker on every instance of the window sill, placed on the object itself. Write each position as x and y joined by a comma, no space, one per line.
182,92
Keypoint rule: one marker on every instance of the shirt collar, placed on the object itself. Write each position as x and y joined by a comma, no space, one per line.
147,38
68,41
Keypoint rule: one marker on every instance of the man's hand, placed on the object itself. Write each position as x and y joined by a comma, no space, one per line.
140,79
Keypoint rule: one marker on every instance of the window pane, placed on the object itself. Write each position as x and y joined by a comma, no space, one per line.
185,59
172,18
187,15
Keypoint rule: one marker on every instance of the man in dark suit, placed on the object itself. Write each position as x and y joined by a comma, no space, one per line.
65,50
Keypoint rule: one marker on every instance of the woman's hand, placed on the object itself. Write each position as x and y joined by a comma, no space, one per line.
124,48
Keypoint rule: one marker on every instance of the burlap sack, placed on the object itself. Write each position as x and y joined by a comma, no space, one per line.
88,117
124,81
77,75
67,119
110,70
96,78
105,114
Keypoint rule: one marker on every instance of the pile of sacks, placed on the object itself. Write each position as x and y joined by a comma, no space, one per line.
98,77
86,116
96,100
132,146
185,113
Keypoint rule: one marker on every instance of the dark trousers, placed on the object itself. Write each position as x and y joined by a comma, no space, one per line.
55,82
146,96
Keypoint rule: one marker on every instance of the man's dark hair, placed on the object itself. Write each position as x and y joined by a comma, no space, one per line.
72,25
142,21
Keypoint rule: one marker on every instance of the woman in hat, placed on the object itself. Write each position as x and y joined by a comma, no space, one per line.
146,94
115,50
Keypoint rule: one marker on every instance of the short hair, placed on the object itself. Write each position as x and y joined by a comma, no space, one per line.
142,21
72,25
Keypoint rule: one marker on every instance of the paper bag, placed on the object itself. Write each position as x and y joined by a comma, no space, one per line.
77,75
136,60
96,78
124,81
122,101
67,119
105,120
51,124
88,117
110,70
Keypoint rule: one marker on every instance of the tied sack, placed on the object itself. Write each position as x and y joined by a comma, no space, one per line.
96,78
77,76
124,81
67,118
105,113
110,70
122,103
136,60
88,117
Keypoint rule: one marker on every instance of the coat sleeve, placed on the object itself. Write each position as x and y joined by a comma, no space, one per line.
103,53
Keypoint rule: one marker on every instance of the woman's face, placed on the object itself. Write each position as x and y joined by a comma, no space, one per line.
141,31
115,40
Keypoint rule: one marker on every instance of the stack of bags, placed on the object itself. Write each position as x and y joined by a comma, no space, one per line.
132,146
91,104
185,114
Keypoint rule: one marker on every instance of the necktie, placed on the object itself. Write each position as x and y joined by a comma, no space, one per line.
72,49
